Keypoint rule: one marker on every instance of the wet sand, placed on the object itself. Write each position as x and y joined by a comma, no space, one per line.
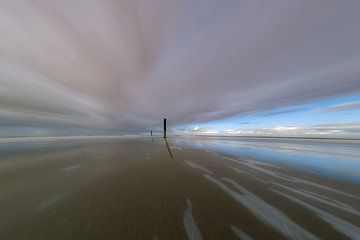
134,188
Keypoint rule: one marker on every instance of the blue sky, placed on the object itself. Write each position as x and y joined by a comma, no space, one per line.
335,117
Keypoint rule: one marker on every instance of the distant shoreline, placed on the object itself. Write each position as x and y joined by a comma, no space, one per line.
9,138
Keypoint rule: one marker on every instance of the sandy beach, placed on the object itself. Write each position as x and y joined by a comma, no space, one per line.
179,120
186,188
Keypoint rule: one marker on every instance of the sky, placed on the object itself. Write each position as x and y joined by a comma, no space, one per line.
335,117
218,67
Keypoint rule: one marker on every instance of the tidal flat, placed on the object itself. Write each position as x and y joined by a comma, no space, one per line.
181,188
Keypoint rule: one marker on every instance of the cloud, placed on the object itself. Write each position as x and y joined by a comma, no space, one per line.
340,107
246,123
127,64
346,130
195,131
284,111
339,126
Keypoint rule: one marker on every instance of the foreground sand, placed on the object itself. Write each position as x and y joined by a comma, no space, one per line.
136,189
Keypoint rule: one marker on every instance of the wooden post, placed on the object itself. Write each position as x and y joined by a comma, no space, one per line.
164,127
151,133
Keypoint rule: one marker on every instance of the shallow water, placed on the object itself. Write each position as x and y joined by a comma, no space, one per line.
185,188
333,158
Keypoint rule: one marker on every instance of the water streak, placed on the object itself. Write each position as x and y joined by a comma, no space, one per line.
264,211
192,230
346,228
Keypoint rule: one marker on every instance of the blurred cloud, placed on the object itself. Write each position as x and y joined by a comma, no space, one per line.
247,123
340,107
283,111
126,64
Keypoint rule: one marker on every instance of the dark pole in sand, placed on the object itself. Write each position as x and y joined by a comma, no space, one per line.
151,133
164,127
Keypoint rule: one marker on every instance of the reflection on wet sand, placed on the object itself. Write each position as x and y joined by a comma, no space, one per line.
127,188
168,147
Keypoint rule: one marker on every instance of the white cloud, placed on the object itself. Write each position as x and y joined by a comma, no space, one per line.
285,128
